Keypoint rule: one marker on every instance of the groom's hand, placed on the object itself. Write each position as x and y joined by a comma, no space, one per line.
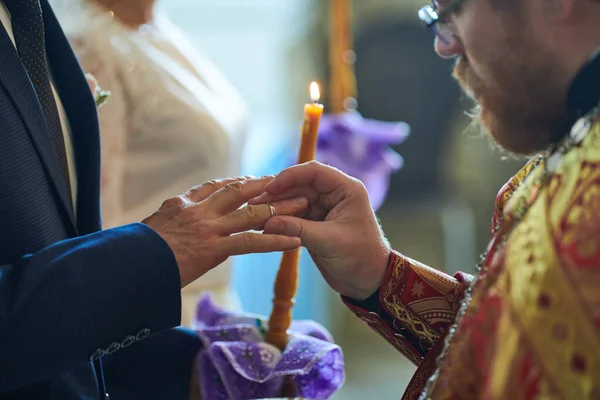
339,227
203,226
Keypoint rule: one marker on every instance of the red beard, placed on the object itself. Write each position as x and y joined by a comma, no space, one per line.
520,110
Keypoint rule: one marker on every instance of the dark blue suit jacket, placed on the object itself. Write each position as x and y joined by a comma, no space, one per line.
82,311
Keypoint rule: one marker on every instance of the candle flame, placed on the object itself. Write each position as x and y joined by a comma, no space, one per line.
315,93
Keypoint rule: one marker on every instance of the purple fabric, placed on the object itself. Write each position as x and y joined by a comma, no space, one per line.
360,147
236,363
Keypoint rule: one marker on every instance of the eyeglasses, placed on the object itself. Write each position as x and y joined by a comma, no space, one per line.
439,20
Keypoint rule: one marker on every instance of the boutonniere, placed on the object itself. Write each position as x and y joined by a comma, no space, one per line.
100,95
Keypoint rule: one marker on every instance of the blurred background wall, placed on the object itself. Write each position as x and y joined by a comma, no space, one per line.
440,204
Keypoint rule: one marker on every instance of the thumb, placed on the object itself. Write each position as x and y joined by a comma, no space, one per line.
310,232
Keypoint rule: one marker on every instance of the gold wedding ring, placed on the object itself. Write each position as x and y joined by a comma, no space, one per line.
271,209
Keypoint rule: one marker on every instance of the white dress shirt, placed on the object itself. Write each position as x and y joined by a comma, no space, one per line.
64,122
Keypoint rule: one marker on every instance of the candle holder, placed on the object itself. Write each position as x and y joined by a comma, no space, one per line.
236,363
247,357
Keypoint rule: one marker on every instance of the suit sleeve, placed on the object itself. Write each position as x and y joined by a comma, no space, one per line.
82,298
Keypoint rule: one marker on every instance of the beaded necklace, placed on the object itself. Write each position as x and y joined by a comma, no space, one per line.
578,132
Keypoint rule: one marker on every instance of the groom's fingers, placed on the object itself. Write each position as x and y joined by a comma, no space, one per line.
233,195
203,191
250,242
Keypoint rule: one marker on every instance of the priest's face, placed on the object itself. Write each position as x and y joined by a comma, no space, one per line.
506,65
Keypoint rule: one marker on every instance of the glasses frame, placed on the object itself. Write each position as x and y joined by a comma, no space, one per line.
437,20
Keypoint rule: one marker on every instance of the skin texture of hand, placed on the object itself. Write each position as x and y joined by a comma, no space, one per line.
339,228
204,226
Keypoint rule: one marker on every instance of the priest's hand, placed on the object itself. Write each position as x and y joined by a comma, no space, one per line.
339,228
206,225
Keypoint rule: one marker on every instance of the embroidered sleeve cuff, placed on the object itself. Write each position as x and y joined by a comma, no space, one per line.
414,306
373,314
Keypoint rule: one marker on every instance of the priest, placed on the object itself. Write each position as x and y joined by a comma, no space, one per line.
527,326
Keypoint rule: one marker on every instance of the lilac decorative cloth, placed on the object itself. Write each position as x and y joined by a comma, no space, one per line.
237,364
360,147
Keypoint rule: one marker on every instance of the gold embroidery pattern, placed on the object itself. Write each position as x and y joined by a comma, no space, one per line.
506,192
391,293
515,373
395,339
476,342
543,291
548,310
418,299
424,371
580,230
470,352
576,222
553,186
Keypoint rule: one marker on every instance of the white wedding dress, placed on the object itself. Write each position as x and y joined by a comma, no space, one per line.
173,121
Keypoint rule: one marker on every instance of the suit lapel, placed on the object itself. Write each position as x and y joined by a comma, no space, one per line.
15,81
81,111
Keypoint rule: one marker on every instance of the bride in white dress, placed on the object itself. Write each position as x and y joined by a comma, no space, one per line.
172,120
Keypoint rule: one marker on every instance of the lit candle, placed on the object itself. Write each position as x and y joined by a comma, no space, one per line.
286,282
312,116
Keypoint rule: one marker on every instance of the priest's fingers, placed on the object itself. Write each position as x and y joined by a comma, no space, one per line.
255,216
202,191
233,195
306,213
249,242
304,191
323,178
319,204
311,233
